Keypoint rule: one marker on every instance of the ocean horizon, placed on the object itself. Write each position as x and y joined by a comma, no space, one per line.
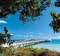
54,44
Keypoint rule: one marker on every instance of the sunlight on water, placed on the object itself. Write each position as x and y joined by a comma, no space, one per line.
53,45
49,46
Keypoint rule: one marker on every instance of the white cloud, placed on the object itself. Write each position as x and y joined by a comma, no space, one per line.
11,34
26,36
2,21
19,35
52,37
40,33
57,37
31,35
31,32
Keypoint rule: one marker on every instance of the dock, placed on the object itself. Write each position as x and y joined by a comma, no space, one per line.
24,43
27,43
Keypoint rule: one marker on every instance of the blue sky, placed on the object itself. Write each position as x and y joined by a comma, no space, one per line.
39,29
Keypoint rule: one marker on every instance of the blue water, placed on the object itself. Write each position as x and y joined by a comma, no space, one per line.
53,45
53,41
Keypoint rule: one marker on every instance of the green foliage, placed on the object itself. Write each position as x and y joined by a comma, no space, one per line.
55,24
4,36
1,38
57,3
28,52
27,8
2,55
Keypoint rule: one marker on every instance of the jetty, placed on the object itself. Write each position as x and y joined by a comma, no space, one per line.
24,43
28,43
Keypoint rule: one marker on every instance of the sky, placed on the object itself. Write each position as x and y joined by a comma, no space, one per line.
38,29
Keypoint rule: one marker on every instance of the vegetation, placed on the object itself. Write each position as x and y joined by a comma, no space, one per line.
57,3
28,52
29,8
55,24
4,36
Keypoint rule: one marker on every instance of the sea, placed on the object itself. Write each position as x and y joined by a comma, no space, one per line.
54,44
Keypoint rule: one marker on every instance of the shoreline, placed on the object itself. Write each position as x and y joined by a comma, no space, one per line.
35,44
54,47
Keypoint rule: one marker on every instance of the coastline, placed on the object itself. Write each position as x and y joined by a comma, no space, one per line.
51,45
54,47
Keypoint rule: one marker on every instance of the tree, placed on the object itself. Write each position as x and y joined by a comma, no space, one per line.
30,8
4,36
1,38
55,24
57,3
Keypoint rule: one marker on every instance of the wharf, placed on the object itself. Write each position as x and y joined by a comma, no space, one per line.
27,43
24,43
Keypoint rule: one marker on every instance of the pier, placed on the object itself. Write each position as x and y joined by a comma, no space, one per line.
24,43
27,43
